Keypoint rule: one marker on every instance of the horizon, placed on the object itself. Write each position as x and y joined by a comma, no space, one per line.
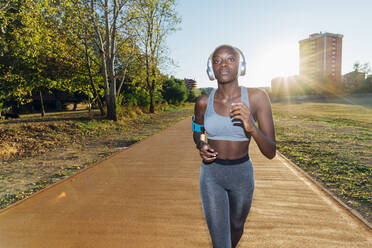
270,39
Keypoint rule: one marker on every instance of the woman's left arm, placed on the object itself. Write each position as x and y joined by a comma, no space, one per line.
264,134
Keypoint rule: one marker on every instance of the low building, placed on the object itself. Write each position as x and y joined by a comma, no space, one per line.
190,83
352,80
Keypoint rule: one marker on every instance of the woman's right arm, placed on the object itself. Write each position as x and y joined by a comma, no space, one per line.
207,153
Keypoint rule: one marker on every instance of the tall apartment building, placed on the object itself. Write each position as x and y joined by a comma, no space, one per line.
321,55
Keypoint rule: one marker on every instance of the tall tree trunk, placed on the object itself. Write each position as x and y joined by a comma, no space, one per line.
111,106
95,93
102,52
148,82
105,81
110,55
111,114
152,110
152,90
42,104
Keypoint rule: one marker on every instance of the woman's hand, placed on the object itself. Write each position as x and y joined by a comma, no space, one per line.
242,112
207,153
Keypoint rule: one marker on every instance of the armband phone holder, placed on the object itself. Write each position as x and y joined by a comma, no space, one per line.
197,127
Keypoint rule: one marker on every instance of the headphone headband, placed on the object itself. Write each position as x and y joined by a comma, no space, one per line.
241,66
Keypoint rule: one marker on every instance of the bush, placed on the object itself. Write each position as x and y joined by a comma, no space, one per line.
365,87
174,91
192,95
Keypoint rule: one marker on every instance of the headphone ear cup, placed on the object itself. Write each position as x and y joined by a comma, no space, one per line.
242,68
239,69
210,69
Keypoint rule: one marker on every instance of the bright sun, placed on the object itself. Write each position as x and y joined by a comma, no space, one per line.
278,60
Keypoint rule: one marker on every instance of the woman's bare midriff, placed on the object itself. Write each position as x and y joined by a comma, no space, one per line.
229,149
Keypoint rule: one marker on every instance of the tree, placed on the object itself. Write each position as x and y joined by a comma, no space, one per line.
356,81
156,19
40,51
364,68
82,48
175,91
110,19
356,66
81,35
35,56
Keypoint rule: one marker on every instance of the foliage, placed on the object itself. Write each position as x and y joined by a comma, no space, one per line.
358,81
110,20
203,91
38,52
175,91
364,68
192,95
84,48
155,20
365,86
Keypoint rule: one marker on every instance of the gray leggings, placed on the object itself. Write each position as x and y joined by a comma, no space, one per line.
226,193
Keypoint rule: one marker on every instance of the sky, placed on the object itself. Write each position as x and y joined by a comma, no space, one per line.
267,32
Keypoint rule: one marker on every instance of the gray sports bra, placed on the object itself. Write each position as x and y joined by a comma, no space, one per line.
221,127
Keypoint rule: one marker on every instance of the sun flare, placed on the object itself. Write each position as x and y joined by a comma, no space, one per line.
280,60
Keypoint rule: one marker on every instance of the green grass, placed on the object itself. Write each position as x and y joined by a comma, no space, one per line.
331,141
32,135
8,199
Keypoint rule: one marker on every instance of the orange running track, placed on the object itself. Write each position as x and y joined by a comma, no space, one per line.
148,196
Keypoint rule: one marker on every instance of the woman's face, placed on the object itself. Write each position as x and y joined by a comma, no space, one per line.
225,64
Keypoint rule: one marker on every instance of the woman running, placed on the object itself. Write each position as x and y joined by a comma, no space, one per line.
228,114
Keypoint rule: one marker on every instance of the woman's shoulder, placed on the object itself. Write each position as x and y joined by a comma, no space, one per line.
256,93
202,100
258,98
201,104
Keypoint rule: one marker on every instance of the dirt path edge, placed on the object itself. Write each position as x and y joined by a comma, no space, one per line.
71,177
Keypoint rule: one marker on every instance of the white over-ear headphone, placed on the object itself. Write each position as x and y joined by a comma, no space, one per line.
241,68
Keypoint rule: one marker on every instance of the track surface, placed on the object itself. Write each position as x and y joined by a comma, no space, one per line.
148,196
